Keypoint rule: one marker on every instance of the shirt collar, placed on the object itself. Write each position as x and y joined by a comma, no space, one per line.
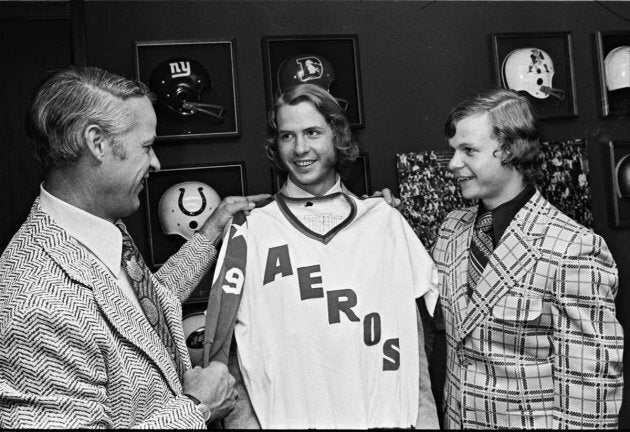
292,190
99,236
502,215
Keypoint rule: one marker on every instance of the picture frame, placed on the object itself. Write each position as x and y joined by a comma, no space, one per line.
341,51
561,101
196,85
616,101
620,208
225,178
356,177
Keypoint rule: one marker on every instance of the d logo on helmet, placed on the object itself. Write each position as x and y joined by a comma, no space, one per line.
184,208
305,68
308,69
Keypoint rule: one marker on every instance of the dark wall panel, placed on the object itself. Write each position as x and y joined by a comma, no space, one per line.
29,48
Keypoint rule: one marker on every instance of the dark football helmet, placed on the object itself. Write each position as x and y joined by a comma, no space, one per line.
307,69
179,84
623,177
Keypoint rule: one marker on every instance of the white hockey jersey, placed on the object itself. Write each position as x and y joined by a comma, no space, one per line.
326,329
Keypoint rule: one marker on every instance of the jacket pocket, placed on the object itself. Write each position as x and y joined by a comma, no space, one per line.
517,308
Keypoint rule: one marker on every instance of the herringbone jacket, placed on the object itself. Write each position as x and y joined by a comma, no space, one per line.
538,344
74,352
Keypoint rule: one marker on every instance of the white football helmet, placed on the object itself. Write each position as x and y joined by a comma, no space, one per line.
617,68
184,207
194,329
530,70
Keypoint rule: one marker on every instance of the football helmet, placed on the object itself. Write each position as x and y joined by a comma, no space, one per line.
530,70
184,207
617,68
179,84
308,69
194,330
622,177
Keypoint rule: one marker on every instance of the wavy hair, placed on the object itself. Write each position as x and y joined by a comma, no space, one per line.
514,126
70,100
346,148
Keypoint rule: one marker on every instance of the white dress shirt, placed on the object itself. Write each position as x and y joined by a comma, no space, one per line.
99,237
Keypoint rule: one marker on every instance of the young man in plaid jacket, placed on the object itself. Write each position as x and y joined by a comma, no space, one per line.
527,294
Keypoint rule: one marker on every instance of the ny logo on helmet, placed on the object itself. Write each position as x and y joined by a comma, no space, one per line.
311,68
180,69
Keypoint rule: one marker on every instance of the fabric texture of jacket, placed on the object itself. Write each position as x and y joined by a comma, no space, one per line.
538,344
74,351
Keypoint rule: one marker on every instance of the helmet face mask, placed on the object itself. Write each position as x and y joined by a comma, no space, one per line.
530,70
179,84
185,207
617,68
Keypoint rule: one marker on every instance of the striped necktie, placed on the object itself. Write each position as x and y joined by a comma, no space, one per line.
481,248
140,277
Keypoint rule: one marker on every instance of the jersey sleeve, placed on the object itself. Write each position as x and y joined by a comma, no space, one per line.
226,291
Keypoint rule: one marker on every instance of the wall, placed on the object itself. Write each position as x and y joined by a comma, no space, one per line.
417,60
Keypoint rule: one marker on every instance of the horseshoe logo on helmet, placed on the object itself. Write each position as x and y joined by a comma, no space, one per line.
182,191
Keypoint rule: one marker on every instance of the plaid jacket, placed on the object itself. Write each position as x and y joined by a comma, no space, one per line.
74,352
538,344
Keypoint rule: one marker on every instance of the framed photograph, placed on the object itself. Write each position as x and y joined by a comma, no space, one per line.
540,66
196,87
356,177
619,185
226,179
613,54
331,61
428,191
565,182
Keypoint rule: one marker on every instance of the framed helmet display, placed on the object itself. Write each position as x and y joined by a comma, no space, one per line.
539,66
619,184
331,62
180,199
195,87
617,68
613,60
530,70
179,84
184,208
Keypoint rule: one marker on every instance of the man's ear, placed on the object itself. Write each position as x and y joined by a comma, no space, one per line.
96,141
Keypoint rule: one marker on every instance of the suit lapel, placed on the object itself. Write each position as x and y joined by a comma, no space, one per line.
459,270
511,261
120,312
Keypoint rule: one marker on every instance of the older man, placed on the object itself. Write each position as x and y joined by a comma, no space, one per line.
88,336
